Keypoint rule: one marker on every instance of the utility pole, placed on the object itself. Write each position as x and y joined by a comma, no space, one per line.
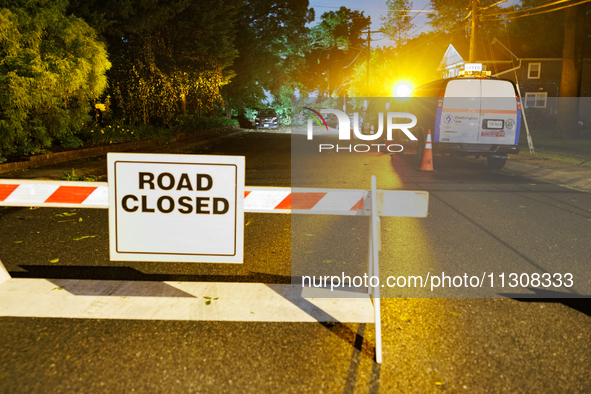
368,60
473,30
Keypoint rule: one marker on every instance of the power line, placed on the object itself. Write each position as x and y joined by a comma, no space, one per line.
528,9
376,9
492,5
536,13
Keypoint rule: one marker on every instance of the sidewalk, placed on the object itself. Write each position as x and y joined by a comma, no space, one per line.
567,175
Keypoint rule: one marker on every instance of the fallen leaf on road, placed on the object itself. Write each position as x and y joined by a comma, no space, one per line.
61,215
83,237
56,288
18,242
454,314
54,260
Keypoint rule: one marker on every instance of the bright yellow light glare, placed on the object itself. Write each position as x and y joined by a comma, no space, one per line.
402,89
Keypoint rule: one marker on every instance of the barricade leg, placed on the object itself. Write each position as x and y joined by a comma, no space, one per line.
370,256
375,222
4,275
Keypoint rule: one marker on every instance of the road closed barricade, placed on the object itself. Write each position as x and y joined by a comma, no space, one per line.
142,197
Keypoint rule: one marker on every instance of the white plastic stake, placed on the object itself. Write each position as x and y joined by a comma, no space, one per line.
375,222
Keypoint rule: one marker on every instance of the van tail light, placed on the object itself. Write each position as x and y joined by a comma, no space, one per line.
440,102
518,103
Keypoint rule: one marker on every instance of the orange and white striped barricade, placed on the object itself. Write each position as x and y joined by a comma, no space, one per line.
373,203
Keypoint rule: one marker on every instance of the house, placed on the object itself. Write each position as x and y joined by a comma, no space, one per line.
538,78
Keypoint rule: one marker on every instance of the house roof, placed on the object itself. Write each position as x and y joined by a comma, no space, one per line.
450,57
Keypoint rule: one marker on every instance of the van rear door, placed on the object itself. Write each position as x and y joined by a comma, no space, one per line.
460,112
498,113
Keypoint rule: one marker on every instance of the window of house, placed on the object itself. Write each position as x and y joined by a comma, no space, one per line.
536,100
533,70
452,73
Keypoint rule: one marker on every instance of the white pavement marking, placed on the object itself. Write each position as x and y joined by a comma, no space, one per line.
108,299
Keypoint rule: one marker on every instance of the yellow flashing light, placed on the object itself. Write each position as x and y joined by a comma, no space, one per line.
402,89
475,74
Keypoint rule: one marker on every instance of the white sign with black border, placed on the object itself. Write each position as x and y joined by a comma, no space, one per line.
177,208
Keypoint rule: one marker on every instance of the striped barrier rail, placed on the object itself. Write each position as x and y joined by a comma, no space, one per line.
374,203
256,199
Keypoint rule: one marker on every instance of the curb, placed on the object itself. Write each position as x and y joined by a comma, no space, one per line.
60,157
569,176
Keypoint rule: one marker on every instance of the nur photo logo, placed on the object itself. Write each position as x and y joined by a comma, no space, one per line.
393,122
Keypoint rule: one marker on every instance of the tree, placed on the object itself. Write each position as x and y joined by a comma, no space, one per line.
336,45
169,58
450,17
51,67
397,23
572,64
271,37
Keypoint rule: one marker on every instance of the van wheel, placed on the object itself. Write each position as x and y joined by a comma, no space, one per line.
495,163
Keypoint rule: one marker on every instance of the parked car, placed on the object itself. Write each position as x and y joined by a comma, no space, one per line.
266,119
469,115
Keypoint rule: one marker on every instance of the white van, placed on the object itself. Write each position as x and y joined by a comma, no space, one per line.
470,115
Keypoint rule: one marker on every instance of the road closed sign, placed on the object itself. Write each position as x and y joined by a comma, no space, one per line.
178,208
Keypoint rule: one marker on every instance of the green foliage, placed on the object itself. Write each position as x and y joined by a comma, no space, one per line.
190,124
70,141
169,58
271,40
51,66
397,23
71,176
117,132
337,43
120,132
339,28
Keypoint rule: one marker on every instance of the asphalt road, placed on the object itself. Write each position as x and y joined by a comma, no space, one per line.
482,340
